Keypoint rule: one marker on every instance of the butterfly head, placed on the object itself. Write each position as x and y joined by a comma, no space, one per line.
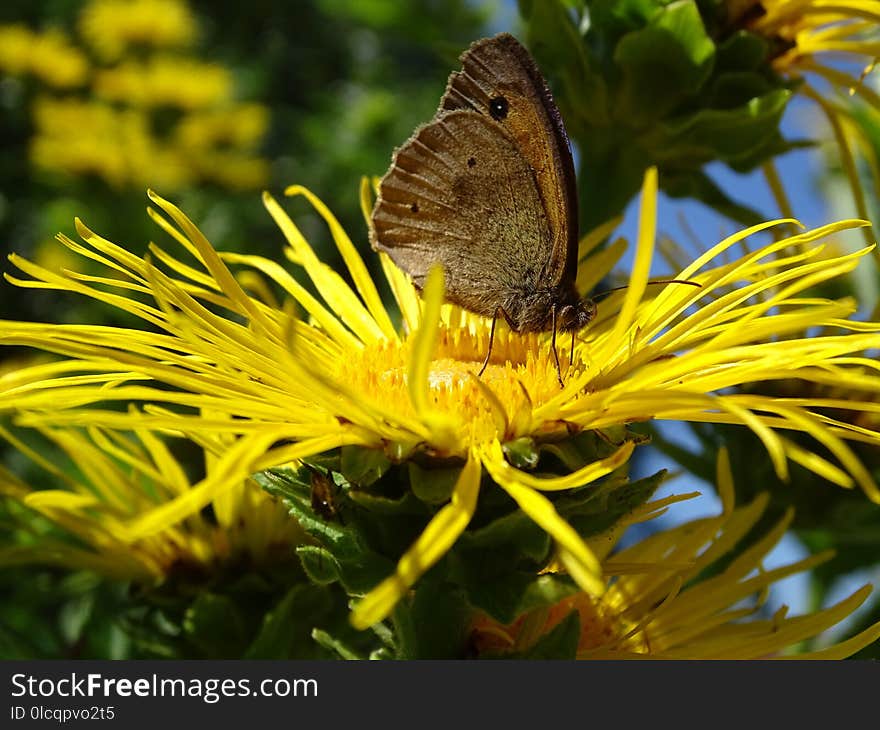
575,316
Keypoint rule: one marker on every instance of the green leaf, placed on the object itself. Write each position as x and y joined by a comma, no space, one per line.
500,596
216,626
610,171
514,529
614,18
361,576
286,630
555,41
341,540
408,504
319,564
398,452
362,466
507,595
585,447
683,21
662,64
352,553
334,645
742,51
284,482
546,590
326,461
439,620
432,486
609,506
736,88
726,134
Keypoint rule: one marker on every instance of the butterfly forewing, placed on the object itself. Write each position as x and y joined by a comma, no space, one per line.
461,194
499,80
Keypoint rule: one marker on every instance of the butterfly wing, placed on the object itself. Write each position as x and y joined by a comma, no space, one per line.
500,81
460,193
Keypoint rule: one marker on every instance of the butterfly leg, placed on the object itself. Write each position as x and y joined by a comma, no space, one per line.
491,340
571,352
553,347
501,311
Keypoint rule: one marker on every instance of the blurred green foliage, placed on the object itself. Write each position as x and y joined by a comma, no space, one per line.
344,82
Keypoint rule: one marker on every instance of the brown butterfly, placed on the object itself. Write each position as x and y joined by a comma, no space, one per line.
487,189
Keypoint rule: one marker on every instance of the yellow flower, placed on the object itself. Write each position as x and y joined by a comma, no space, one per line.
239,125
808,40
808,29
234,170
178,82
115,477
345,375
15,46
48,56
87,137
118,128
81,137
111,27
674,596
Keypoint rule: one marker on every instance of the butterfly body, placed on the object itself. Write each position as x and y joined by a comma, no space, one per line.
487,189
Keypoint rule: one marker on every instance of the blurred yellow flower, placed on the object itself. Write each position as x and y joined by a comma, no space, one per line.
49,56
233,170
677,595
112,27
183,83
82,137
157,119
236,125
821,39
15,45
87,137
49,255
112,477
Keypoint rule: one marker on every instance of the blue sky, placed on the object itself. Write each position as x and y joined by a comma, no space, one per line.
800,171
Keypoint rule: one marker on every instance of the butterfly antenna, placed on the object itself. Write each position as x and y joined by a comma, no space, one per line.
658,281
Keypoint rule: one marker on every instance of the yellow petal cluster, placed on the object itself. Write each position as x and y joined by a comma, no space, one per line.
50,56
110,478
112,27
812,38
659,605
290,386
146,111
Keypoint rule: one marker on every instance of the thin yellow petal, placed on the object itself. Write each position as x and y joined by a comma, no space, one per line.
236,465
434,542
541,510
356,267
498,465
642,262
